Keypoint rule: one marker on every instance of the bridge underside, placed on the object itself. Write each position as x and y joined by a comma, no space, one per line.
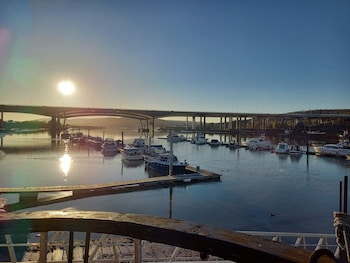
227,121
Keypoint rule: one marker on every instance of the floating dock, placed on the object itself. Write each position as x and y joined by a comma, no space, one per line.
29,196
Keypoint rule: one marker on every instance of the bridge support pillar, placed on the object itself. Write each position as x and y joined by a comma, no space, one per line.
2,120
53,127
204,124
151,124
230,124
193,122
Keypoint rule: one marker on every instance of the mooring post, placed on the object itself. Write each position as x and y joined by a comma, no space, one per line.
340,196
171,157
345,194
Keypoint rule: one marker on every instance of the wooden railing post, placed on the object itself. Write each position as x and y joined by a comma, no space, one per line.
10,248
138,251
87,246
70,247
43,247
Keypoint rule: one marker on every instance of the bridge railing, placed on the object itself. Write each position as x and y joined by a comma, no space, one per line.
140,234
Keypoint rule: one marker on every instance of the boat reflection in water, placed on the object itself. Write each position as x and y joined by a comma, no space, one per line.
65,162
135,163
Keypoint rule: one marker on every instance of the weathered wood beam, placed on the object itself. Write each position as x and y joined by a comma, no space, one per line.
226,244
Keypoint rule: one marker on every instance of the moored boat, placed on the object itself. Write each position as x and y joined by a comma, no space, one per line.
110,147
295,150
199,139
340,149
94,142
174,137
214,143
233,145
282,148
131,153
259,143
162,162
140,144
77,138
154,150
337,149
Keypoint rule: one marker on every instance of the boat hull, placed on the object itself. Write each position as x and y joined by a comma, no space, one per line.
164,167
132,157
332,150
110,152
110,148
282,148
132,153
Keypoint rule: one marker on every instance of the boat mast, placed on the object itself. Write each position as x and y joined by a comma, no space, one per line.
171,157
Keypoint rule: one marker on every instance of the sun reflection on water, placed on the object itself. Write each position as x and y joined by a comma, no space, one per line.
65,162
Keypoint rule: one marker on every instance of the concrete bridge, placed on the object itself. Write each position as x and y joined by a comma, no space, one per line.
227,120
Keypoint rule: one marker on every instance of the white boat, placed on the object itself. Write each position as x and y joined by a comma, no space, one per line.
95,142
295,150
138,142
341,149
174,137
282,148
131,153
199,139
161,163
214,143
259,143
154,150
110,147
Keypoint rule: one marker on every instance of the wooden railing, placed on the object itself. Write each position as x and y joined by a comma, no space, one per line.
224,244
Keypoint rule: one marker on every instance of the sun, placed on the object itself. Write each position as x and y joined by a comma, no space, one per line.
66,87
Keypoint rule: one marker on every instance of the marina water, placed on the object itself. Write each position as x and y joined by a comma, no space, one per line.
258,191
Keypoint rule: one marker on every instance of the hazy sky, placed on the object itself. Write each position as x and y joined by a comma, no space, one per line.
272,56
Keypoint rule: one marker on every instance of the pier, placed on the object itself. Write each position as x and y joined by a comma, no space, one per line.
29,196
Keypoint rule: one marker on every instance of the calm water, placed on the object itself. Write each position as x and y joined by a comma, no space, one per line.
301,193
